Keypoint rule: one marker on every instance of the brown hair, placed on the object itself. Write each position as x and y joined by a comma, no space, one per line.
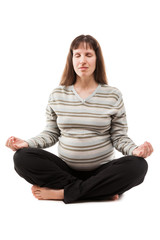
69,75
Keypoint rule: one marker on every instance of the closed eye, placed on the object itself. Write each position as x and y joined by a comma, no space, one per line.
77,55
89,55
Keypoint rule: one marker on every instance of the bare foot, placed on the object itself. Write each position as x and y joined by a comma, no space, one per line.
42,193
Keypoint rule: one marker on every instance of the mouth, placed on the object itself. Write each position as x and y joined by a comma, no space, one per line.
83,68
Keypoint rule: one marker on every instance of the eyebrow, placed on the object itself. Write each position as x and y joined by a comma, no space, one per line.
78,51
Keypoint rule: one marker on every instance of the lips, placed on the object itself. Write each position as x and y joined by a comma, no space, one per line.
83,68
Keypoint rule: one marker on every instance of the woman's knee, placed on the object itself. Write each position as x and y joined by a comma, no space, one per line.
138,166
20,157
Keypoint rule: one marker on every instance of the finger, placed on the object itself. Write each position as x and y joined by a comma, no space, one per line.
13,139
141,154
12,148
150,147
7,142
10,143
13,144
10,139
143,151
17,146
147,149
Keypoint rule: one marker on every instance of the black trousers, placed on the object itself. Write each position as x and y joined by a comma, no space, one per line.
45,169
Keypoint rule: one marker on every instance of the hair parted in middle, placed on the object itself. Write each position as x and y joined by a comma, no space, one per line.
69,75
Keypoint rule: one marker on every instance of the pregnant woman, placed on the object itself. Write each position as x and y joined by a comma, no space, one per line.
87,118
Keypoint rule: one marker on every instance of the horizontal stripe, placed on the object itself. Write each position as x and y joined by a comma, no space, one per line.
82,148
87,131
85,136
87,160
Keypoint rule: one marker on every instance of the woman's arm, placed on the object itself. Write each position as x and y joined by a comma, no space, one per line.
119,136
119,128
51,133
45,139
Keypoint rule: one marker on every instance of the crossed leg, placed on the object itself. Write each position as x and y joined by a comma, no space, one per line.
53,179
42,193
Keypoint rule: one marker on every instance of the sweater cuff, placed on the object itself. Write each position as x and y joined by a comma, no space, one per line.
31,143
131,150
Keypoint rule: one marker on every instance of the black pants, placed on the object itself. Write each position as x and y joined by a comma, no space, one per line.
44,169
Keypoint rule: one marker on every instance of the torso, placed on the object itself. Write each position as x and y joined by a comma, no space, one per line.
84,142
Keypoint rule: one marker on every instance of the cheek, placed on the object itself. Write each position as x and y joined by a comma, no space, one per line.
75,63
93,63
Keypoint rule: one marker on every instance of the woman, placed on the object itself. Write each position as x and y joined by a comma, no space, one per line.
88,119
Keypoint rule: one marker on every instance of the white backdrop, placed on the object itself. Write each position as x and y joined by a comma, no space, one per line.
34,42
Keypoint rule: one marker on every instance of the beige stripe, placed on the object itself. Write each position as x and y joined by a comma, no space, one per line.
74,125
90,105
72,148
58,102
83,116
80,135
73,102
88,160
82,113
62,91
105,95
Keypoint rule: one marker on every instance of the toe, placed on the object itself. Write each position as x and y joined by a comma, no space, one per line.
34,188
116,197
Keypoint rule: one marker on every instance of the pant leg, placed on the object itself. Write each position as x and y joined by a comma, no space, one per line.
112,178
42,168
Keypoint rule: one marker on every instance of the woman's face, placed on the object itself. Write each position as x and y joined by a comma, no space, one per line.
84,61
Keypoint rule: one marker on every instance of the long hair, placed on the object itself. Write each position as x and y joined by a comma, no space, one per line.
69,75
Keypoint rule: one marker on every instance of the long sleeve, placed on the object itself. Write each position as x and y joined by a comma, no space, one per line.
87,131
119,129
51,133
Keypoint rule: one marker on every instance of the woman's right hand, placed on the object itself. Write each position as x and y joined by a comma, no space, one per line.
16,143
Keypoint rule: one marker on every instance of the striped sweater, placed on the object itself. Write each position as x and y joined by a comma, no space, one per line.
88,129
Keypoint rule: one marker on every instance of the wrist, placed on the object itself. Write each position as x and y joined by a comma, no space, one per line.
134,150
26,144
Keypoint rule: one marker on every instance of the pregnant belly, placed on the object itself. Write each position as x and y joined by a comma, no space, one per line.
85,154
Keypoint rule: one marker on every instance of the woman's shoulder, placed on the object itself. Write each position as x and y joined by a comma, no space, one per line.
59,90
110,89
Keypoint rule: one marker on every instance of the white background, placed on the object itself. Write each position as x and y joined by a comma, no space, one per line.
34,42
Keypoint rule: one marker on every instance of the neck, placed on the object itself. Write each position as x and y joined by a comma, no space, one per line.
85,83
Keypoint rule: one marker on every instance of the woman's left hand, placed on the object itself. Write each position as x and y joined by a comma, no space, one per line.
144,150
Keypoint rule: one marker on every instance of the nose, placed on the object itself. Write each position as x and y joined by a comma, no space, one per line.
83,59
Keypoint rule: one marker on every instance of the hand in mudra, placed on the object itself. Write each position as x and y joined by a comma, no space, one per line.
16,143
144,150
